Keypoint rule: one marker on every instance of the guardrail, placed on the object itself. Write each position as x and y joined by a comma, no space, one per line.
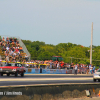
24,48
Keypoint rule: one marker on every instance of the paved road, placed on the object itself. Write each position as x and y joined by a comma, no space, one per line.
33,79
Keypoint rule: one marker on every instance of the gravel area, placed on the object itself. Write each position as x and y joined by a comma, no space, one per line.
83,98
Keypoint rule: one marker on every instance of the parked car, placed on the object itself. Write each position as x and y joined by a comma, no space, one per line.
12,68
96,75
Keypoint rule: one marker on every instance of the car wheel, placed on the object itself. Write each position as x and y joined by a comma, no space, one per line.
94,80
22,74
1,74
98,80
8,74
16,74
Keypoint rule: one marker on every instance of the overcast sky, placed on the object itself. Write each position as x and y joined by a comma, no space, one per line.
51,21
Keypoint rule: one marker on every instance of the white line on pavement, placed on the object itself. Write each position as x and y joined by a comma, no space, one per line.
43,79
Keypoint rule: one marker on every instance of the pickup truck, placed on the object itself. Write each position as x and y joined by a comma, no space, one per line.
12,68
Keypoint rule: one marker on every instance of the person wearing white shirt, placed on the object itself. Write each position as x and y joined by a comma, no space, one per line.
76,68
7,48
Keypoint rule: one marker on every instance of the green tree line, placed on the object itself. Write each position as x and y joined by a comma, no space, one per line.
70,52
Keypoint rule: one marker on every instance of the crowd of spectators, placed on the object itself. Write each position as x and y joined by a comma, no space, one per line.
12,49
50,64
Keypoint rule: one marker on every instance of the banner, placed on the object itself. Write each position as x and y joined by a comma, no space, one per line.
32,71
45,71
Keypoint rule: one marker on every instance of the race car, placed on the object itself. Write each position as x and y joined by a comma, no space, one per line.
12,68
96,75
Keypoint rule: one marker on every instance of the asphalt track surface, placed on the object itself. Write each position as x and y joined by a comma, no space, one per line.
45,79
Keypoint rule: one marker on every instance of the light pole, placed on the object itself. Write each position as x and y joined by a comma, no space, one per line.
91,44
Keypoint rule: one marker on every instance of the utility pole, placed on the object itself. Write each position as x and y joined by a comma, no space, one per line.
71,59
91,44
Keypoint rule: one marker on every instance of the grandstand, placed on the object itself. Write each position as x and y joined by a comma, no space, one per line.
13,49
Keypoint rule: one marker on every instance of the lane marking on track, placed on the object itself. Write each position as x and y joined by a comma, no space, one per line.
43,79
61,74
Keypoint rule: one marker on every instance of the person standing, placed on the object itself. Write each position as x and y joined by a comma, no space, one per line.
91,69
57,65
87,69
94,69
76,68
51,65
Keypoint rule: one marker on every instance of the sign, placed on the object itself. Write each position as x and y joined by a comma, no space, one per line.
45,71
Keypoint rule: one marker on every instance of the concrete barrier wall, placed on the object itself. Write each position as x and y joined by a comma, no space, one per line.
50,92
45,71
50,71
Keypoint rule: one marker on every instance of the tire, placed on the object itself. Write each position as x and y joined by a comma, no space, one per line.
98,80
22,74
94,80
8,74
1,74
16,74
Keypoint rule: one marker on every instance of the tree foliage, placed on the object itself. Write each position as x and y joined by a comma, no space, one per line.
70,52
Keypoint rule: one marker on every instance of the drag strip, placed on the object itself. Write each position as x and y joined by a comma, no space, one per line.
45,79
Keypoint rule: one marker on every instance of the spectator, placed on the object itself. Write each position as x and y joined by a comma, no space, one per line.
23,63
12,48
16,50
17,43
3,39
11,40
13,56
7,39
4,48
0,42
51,65
91,69
76,68
20,57
17,47
87,69
7,57
7,48
62,64
20,49
26,57
94,69
10,52
58,65
8,44
4,43
15,40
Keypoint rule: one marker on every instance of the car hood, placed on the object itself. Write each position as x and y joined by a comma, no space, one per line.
97,73
10,67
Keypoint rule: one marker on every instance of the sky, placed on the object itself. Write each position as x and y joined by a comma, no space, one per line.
51,21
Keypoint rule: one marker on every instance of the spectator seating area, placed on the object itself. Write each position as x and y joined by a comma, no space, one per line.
10,50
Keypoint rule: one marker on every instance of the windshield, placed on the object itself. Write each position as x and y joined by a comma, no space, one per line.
57,58
12,64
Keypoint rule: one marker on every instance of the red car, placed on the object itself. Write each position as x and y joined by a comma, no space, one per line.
12,68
